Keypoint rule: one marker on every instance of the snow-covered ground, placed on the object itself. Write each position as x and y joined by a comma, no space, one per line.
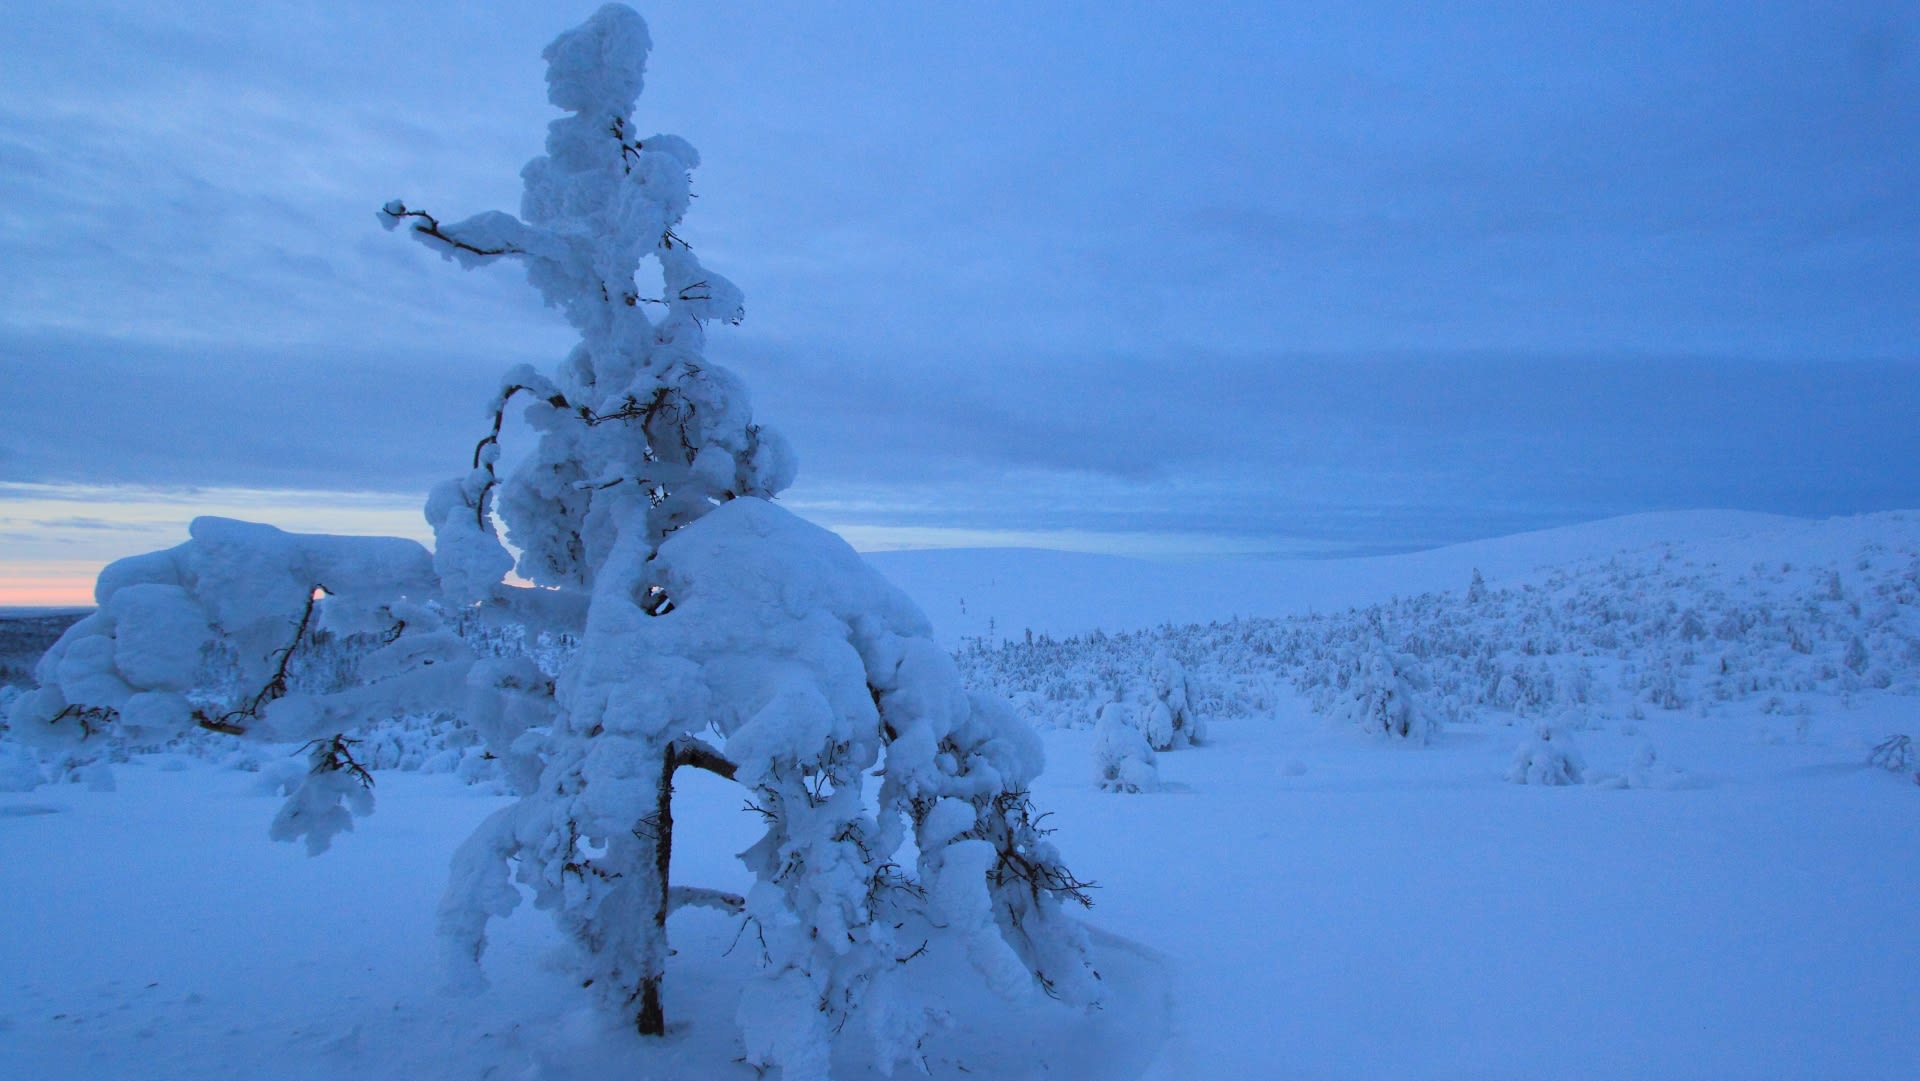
1298,900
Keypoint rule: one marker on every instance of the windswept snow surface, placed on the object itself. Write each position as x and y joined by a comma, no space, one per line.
1730,895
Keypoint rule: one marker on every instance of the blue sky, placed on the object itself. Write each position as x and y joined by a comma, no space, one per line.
1184,277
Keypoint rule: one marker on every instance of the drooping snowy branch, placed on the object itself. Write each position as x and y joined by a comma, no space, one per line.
465,239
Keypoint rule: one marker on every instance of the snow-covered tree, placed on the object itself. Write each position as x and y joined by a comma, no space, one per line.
715,630
207,635
1856,657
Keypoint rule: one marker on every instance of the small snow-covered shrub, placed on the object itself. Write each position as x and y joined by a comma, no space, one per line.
19,768
1123,761
1167,716
1549,757
1380,700
1895,754
1644,770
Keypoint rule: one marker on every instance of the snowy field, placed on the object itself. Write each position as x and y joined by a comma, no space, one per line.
1298,899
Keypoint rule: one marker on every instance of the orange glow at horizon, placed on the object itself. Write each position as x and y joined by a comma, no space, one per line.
59,536
48,585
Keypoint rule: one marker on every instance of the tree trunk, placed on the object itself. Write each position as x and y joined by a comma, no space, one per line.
652,1018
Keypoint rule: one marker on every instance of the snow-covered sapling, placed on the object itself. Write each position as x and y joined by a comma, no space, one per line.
1477,589
1856,657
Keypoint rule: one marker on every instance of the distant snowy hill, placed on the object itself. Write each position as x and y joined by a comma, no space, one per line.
1003,592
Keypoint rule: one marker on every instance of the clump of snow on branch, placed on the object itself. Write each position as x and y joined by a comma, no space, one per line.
335,789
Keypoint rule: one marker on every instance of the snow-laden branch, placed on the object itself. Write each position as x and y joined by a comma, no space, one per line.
481,237
687,751
679,897
275,687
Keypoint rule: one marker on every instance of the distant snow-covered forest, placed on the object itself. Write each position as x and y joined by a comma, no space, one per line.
1654,629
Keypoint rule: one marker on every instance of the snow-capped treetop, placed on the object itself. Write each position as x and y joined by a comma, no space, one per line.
636,405
599,67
